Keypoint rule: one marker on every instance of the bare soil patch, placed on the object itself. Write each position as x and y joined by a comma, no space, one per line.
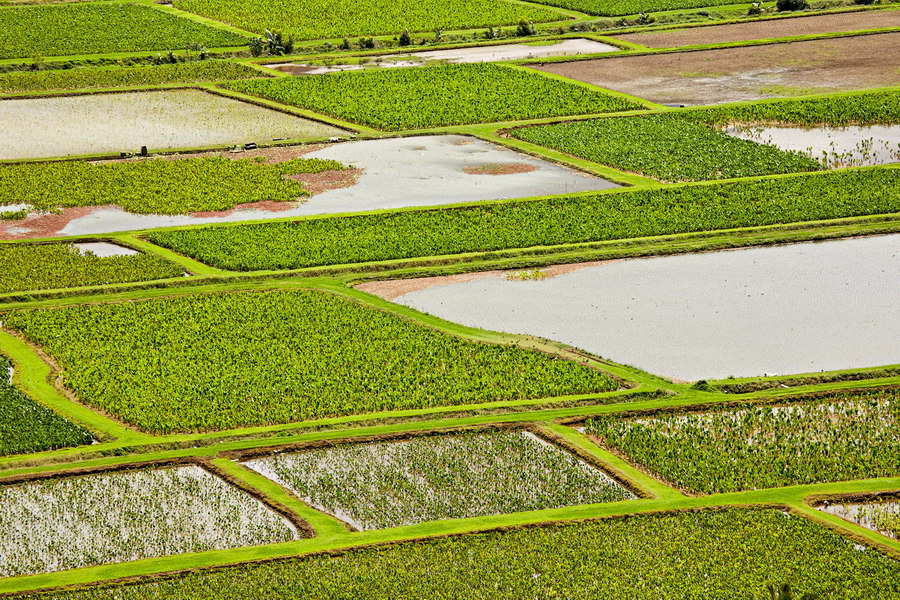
766,29
499,169
749,73
316,183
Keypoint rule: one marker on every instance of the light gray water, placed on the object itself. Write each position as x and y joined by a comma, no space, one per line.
397,172
104,249
123,122
775,310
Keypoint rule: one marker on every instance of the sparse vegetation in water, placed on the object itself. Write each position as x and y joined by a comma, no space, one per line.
218,361
327,19
113,77
546,222
529,275
97,27
452,94
72,522
26,426
882,516
393,483
713,555
52,266
848,436
158,186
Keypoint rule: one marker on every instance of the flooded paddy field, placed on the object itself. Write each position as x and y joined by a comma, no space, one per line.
765,29
883,517
123,122
833,146
748,312
475,54
749,73
389,173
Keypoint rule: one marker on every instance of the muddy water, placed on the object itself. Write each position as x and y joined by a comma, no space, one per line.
123,122
398,172
461,55
833,146
777,310
104,249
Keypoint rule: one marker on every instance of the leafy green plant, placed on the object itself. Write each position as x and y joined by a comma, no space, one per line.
435,96
790,5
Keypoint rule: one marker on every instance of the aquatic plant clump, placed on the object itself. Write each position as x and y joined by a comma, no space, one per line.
52,266
881,516
421,97
388,484
218,361
97,27
72,522
26,426
157,186
547,222
849,436
714,555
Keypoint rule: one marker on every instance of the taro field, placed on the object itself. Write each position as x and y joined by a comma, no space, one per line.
496,299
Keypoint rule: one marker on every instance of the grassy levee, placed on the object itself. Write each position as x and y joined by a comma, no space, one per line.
190,265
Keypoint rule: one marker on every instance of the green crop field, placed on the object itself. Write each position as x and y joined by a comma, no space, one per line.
630,7
26,426
50,266
65,29
219,361
388,484
765,446
114,77
414,98
168,187
725,555
293,245
321,19
665,146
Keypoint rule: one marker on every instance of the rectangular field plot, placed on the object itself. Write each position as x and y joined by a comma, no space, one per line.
323,19
26,426
715,555
51,266
98,28
572,219
387,484
66,523
435,96
883,516
765,29
844,437
218,361
123,122
737,141
711,315
749,73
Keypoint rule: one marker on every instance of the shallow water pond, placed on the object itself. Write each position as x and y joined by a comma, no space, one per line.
776,310
104,249
833,146
883,517
123,122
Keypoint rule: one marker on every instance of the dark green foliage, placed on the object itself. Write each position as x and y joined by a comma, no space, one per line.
596,217
26,426
420,97
220,361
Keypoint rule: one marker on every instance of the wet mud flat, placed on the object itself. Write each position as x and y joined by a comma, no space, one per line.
749,312
749,73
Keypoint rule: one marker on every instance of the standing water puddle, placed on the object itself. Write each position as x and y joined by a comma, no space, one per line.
782,309
104,249
833,146
883,517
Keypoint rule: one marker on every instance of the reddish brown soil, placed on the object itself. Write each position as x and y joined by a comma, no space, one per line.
749,73
44,225
766,29
500,169
316,183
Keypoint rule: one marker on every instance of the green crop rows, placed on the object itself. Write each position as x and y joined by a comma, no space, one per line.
388,484
50,266
665,146
292,245
113,77
630,7
219,361
422,97
726,555
846,437
158,186
319,19
59,30
26,426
